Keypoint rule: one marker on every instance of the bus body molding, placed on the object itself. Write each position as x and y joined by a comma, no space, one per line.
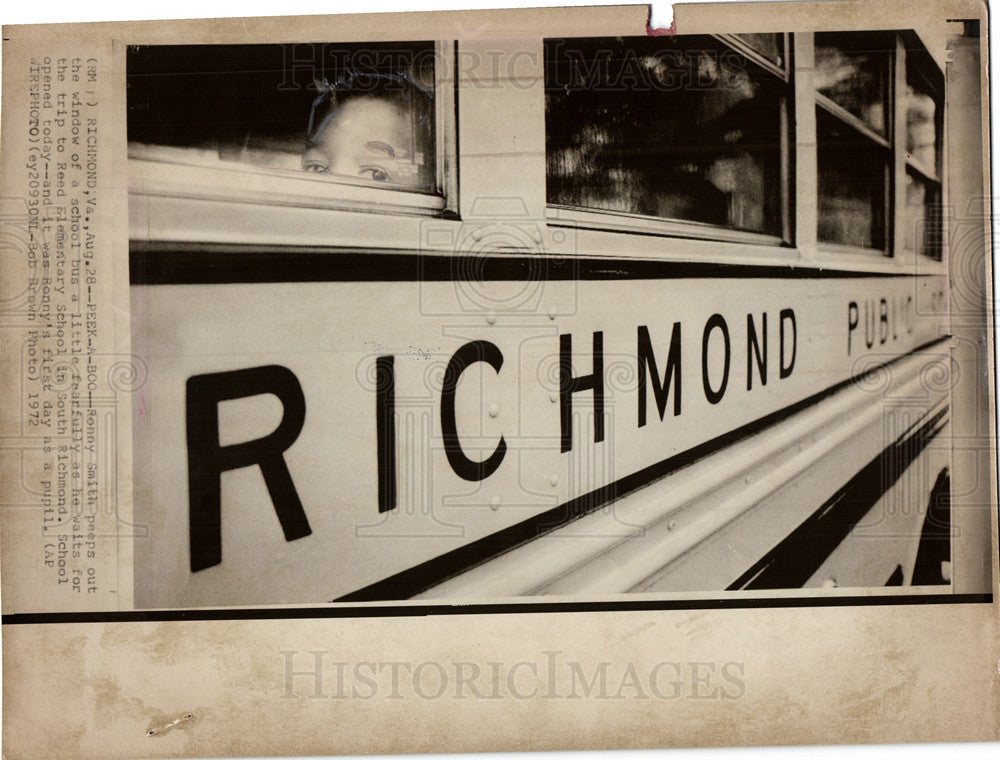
208,459
470,353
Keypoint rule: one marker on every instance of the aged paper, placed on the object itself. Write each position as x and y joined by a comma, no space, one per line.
324,340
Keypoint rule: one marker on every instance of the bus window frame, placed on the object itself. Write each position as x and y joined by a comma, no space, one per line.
185,202
562,215
916,60
166,171
801,244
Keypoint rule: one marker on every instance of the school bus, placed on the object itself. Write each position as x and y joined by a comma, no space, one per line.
677,316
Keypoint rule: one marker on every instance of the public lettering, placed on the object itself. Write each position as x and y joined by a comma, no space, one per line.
884,321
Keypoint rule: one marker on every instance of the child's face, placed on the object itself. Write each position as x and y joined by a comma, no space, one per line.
366,138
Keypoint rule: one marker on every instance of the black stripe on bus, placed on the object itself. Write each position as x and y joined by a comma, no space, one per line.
411,581
220,265
506,608
796,559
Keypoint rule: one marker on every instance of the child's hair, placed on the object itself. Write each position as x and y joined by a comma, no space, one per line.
401,89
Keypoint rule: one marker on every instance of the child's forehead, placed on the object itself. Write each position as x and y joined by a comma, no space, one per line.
364,119
369,111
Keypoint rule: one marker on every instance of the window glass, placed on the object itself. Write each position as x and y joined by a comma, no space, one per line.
854,76
681,128
352,113
916,200
771,46
922,232
852,187
921,124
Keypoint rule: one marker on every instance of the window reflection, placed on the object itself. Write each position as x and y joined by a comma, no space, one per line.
682,129
852,187
922,229
916,198
771,46
921,129
854,78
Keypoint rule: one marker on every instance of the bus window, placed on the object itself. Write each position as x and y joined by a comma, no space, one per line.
853,140
854,77
771,46
921,109
852,185
878,100
687,128
921,118
354,114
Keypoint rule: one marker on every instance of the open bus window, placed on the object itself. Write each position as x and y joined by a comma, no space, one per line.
681,128
353,113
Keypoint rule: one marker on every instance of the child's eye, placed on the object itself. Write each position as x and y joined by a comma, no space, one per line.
377,173
315,167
